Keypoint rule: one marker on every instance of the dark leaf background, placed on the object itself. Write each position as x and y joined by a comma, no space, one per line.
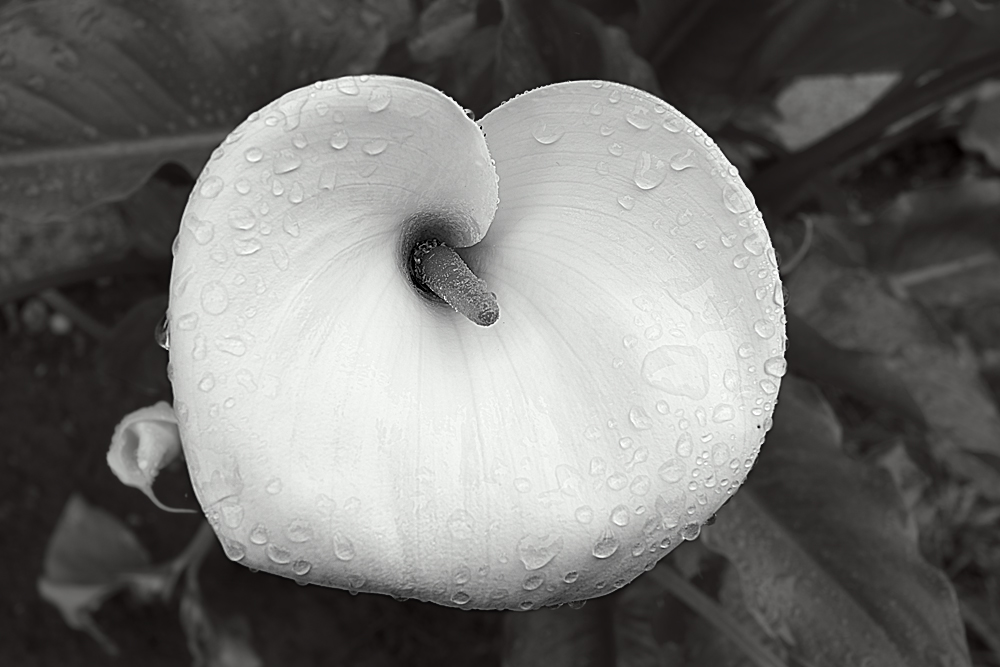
865,535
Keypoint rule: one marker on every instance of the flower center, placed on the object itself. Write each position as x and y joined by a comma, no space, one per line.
437,268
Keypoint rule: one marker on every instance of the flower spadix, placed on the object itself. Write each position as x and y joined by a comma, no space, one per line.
345,426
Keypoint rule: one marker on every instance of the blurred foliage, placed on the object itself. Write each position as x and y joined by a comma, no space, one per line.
867,492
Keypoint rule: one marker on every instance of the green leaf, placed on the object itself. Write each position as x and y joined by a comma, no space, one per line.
827,555
94,96
542,41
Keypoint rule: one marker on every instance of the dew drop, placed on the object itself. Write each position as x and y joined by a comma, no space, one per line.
200,349
663,407
300,141
684,445
571,576
235,551
214,298
277,188
639,418
462,525
615,96
233,345
274,484
776,366
684,217
672,471
536,552
348,86
375,147
735,199
617,481
343,548
207,382
299,531
460,598
745,350
232,515
242,218
277,554
254,154
677,369
627,202
768,387
547,134
606,130
754,244
722,413
328,178
620,515
202,230
640,485
379,99
339,140
596,109
606,545
295,195
246,247
259,534
653,332
731,380
602,168
280,257
639,118
683,161
616,149
188,321
462,575
763,328
532,582
672,124
584,514
691,531
649,171
301,567
286,161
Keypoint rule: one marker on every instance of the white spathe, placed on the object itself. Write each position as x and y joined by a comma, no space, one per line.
344,430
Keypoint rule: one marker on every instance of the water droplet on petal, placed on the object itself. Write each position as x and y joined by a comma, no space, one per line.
690,531
343,548
274,485
627,202
639,418
754,244
620,516
235,551
214,298
584,514
202,230
763,328
243,186
683,161
296,194
776,366
615,96
339,140
286,161
741,261
259,534
672,471
246,247
233,345
254,154
299,531
595,109
301,567
460,598
278,554
606,130
649,171
602,168
684,445
375,147
735,199
532,582
616,149
348,86
242,218
722,413
211,187
606,546
536,551
547,134
379,99
639,118
678,369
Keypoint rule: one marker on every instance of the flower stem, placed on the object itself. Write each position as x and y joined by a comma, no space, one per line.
440,270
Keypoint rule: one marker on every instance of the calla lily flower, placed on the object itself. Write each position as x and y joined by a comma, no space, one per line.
496,365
